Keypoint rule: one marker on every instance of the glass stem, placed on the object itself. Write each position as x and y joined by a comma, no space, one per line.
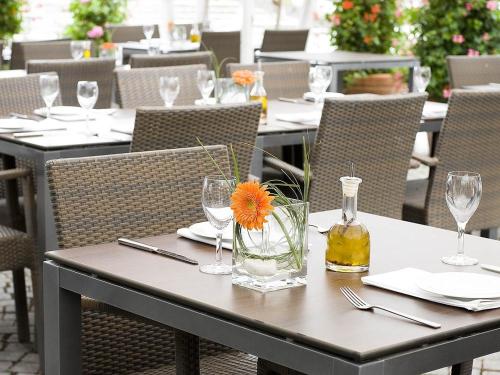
218,248
461,233
48,111
87,121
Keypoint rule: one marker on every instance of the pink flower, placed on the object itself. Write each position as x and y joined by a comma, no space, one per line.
85,1
95,32
485,37
395,42
468,6
335,19
458,38
446,92
491,4
398,13
472,52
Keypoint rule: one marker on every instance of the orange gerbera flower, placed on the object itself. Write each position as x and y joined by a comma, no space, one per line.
251,203
243,77
347,4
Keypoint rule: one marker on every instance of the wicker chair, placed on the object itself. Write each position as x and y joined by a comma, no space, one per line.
377,134
97,200
43,50
281,79
468,141
127,33
17,251
236,124
72,71
139,87
284,40
224,44
465,70
171,59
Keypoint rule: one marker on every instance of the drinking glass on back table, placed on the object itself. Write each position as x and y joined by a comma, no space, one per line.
206,83
49,88
87,94
216,202
77,49
148,31
421,78
169,89
320,78
463,194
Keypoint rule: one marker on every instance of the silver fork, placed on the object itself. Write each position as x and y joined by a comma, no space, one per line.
361,304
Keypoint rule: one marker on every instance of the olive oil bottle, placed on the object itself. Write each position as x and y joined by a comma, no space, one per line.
348,241
259,94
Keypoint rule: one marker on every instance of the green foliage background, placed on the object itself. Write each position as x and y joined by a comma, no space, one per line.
10,18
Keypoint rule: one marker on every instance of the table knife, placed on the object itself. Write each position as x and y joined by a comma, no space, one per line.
489,267
155,250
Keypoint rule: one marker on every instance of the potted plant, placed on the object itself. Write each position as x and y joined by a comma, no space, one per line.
368,26
91,17
460,27
10,19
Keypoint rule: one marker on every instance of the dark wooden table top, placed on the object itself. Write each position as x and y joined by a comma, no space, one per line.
317,315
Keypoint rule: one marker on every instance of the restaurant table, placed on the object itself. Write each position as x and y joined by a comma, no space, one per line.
342,61
61,144
312,329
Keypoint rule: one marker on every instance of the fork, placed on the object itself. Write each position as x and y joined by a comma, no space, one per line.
361,304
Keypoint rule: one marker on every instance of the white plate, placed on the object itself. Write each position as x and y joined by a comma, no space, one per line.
13,123
205,229
60,111
461,285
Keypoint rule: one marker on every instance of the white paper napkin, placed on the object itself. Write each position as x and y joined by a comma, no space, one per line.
327,95
306,118
404,281
434,110
186,233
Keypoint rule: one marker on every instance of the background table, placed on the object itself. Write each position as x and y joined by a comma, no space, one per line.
312,329
342,61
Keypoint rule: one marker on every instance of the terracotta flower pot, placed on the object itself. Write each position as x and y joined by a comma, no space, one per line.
379,83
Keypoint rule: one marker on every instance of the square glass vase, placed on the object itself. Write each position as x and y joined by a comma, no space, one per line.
275,257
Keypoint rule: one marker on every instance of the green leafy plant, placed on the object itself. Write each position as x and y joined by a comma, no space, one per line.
459,27
10,18
91,17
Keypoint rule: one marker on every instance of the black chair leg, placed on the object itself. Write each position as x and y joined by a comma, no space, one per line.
23,328
187,353
464,368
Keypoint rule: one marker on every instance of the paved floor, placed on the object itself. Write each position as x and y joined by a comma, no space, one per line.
20,359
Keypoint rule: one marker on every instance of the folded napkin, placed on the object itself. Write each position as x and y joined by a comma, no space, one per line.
434,110
305,118
405,281
327,95
210,101
186,233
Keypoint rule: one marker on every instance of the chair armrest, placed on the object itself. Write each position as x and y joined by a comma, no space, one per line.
430,161
285,167
12,174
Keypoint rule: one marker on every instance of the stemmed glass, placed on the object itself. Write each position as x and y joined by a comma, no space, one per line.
421,77
169,89
463,193
216,202
87,93
206,83
320,78
148,31
49,88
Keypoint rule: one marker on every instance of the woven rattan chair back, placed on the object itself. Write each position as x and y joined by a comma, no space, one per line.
377,134
22,95
480,70
22,52
171,59
469,140
72,71
236,124
127,33
140,87
284,40
281,79
224,44
98,199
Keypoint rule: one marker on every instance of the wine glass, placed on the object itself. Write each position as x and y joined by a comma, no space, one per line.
320,78
148,31
421,77
169,89
463,193
77,49
87,93
216,202
49,88
179,34
206,83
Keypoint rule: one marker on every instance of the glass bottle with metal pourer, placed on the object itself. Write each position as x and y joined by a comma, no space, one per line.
259,94
348,241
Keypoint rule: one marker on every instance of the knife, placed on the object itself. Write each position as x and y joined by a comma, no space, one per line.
155,250
489,267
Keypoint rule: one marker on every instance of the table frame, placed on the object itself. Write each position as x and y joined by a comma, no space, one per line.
63,287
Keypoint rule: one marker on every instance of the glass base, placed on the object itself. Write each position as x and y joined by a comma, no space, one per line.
216,269
270,285
347,269
459,260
